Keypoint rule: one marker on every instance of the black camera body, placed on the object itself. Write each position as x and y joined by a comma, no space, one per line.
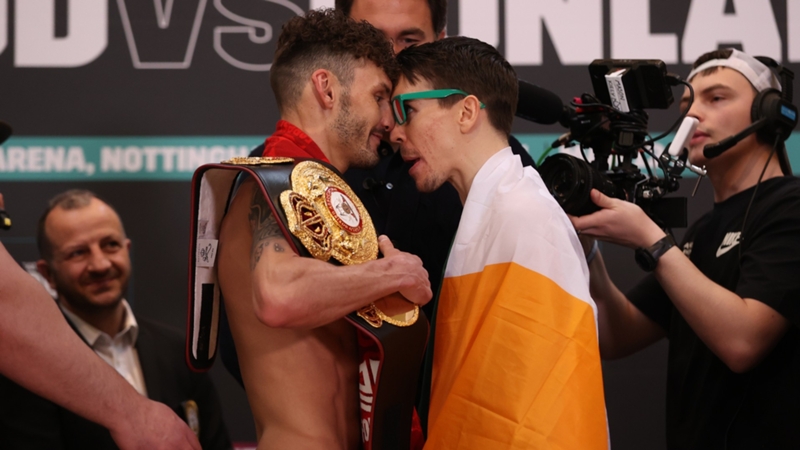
614,123
642,81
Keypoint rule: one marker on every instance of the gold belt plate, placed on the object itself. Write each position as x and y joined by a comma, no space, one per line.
331,222
321,199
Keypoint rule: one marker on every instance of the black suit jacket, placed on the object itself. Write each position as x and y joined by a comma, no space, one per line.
28,421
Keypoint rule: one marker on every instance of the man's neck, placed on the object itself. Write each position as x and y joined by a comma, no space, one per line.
475,154
743,173
109,320
316,129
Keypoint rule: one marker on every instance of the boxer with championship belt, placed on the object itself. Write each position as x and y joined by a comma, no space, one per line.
313,380
320,217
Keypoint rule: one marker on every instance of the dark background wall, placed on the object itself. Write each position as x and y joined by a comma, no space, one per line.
133,108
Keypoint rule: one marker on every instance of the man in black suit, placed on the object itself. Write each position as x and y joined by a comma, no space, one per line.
85,258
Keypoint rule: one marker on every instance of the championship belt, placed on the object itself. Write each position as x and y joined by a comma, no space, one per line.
320,217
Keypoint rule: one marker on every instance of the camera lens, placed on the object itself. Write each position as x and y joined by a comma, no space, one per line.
570,180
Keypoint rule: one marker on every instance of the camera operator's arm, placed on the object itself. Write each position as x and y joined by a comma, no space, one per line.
740,331
623,329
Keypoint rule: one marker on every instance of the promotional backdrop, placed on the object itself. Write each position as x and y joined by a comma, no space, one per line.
126,98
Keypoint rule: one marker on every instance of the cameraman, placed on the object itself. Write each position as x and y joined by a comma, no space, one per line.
729,302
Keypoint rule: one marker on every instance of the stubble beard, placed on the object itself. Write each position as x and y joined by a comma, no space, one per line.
352,132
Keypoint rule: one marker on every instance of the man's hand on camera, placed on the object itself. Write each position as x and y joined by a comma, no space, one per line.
618,221
413,278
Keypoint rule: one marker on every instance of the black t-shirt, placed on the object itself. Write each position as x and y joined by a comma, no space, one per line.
709,406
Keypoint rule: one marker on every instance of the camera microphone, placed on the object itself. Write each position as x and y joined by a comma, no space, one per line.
714,150
683,136
538,104
676,155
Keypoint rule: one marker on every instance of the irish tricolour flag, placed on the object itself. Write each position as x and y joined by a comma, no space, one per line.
516,357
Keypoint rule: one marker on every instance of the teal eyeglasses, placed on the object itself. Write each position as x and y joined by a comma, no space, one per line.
399,101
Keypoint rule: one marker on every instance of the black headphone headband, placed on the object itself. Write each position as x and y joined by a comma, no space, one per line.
775,108
785,76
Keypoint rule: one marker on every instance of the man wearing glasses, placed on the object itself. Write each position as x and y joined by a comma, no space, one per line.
422,224
516,362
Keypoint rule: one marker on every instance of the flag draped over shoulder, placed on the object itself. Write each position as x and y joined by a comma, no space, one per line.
516,357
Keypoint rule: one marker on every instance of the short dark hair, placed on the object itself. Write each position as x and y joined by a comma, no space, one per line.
471,66
438,12
325,39
68,200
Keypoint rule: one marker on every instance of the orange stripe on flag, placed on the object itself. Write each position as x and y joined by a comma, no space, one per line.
516,365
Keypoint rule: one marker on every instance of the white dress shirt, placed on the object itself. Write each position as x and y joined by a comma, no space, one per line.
119,351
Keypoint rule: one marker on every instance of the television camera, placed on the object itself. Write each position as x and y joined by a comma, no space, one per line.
613,123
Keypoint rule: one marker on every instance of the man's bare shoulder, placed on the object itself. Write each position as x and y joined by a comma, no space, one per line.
267,234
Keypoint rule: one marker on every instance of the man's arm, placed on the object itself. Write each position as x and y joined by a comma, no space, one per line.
41,353
623,328
740,331
291,291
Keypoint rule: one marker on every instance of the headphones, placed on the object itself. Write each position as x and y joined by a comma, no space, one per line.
776,109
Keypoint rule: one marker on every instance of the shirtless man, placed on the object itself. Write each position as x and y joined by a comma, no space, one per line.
297,355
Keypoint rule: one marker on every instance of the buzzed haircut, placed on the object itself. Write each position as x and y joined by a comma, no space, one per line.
438,10
69,200
325,39
470,65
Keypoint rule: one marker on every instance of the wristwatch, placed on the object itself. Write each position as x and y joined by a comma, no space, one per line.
647,258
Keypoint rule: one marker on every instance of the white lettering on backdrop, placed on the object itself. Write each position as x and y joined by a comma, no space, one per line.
575,28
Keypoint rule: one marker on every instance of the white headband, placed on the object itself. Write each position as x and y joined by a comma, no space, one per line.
758,74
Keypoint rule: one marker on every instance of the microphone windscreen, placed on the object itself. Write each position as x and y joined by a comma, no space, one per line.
5,131
538,105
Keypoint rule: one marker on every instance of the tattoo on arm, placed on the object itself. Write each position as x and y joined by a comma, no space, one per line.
265,228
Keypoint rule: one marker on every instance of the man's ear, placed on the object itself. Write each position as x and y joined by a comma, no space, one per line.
44,270
469,113
442,34
322,82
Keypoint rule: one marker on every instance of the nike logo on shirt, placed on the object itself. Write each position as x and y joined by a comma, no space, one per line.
728,242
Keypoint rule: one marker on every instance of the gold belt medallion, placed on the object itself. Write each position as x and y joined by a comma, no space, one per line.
331,222
320,198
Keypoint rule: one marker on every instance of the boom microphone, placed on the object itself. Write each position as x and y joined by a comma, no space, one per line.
714,150
538,105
